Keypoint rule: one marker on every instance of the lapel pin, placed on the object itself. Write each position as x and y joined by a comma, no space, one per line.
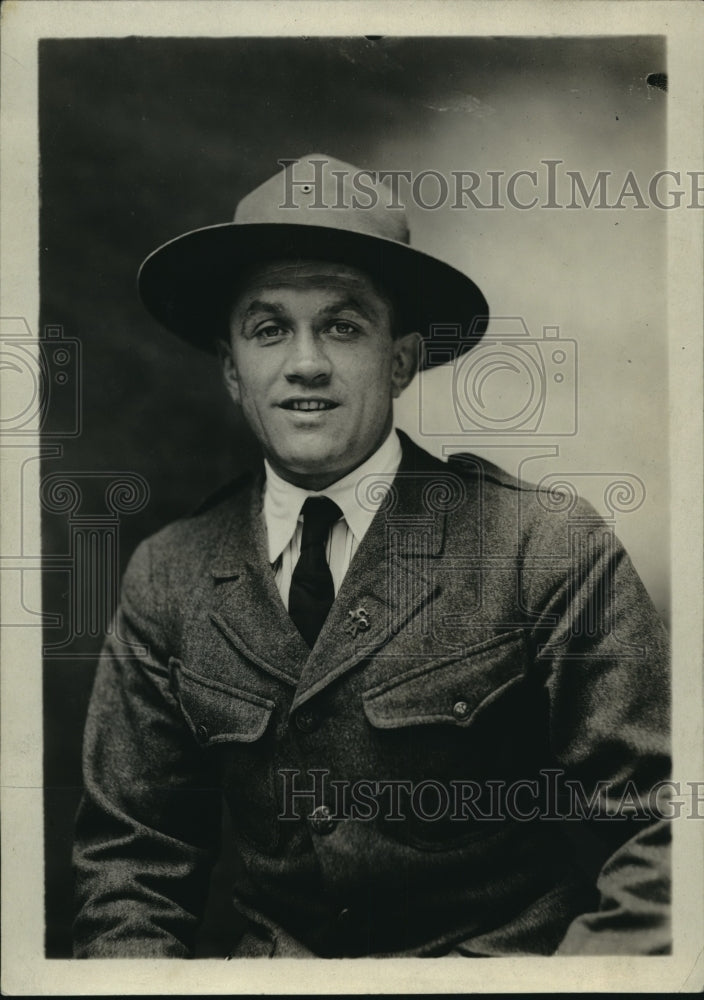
359,622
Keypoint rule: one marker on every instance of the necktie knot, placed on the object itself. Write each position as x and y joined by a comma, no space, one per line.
319,515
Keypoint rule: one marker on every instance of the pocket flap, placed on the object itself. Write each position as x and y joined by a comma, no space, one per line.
216,712
449,690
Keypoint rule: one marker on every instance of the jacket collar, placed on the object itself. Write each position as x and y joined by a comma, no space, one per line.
283,501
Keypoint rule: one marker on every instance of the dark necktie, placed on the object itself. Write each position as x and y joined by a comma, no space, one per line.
312,591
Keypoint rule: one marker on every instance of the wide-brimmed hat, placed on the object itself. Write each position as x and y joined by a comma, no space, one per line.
316,208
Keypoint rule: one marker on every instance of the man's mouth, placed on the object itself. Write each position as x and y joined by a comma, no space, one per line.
308,405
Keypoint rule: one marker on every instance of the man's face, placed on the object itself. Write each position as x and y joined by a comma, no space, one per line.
314,366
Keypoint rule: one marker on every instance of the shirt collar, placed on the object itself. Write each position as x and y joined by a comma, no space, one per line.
283,501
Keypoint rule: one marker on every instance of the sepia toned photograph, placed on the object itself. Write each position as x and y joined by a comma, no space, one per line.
340,451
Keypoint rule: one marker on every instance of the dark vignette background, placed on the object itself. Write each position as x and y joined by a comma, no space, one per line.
144,138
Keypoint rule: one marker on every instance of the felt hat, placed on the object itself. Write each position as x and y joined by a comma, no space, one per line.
316,208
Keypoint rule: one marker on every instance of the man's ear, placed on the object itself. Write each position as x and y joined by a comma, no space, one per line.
405,361
229,371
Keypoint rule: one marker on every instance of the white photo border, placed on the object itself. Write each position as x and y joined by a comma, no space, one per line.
25,969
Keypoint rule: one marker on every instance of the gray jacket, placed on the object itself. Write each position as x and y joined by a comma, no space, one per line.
446,770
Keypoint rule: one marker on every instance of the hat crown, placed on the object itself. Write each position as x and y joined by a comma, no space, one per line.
318,190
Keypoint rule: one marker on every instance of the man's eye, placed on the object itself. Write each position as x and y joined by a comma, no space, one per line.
270,332
343,329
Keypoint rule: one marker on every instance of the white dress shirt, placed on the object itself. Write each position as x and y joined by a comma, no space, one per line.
284,522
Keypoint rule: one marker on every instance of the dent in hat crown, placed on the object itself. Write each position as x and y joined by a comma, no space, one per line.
318,190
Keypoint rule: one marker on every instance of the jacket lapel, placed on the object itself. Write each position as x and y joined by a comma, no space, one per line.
246,605
389,586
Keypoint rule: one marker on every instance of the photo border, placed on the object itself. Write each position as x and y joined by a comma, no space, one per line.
24,968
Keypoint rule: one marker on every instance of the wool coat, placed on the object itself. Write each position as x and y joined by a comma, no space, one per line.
461,765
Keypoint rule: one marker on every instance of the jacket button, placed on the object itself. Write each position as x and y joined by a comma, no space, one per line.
460,710
344,915
202,734
321,820
307,720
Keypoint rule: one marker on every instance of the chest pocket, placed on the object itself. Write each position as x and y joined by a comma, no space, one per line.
217,713
450,724
232,727
450,691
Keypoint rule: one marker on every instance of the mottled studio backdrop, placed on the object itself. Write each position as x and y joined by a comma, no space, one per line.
142,139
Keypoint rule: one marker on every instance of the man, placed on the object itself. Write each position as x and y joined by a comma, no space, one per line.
423,690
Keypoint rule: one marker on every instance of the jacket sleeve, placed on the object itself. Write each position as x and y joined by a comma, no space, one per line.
148,825
604,651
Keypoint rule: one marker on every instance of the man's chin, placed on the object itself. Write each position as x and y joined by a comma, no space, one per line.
310,464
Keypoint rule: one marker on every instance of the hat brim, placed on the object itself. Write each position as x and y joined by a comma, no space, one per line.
188,283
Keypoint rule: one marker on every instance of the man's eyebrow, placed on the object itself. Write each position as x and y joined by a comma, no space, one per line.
261,305
347,303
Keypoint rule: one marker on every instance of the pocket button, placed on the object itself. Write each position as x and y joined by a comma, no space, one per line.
322,821
202,734
307,720
460,710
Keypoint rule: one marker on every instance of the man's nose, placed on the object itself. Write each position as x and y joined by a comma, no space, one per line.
307,360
